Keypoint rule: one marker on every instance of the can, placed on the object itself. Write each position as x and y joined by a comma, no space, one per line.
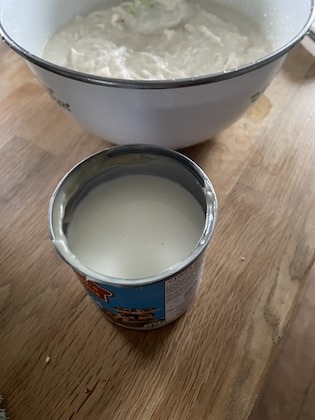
153,301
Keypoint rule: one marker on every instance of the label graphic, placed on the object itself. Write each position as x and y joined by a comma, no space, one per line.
63,104
150,306
103,294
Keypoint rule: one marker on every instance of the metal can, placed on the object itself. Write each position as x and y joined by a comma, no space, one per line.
149,302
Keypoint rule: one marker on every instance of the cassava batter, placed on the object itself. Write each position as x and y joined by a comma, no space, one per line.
157,40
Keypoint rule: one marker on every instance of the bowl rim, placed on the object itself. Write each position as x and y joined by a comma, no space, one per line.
159,84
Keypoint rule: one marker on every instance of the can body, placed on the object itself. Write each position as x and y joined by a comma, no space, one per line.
150,306
145,303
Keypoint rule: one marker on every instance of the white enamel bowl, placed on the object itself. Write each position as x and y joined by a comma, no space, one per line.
175,113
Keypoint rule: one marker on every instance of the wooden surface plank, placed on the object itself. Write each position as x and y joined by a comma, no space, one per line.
212,362
289,392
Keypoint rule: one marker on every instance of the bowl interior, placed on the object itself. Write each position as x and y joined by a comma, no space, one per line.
30,27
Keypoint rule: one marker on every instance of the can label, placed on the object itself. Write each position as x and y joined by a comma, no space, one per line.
149,306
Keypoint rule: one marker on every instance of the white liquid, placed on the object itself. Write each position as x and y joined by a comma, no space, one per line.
172,40
135,226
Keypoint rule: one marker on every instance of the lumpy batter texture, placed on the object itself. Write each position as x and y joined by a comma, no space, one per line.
157,40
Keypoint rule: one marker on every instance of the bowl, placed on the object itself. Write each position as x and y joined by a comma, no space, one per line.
170,113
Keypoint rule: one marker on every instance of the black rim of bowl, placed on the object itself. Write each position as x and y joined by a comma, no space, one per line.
159,84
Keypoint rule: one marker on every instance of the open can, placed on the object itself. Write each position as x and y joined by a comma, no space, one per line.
148,302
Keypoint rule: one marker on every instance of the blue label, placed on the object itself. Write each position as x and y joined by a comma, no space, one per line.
134,307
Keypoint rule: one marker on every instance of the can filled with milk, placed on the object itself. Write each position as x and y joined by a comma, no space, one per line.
133,222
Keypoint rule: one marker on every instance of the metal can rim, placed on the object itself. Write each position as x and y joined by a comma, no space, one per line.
59,239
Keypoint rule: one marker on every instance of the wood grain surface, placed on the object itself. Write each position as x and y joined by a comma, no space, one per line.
212,362
289,392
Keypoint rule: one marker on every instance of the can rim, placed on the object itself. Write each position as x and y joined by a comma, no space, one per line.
59,239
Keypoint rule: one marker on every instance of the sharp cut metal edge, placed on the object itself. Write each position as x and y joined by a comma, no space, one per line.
3,415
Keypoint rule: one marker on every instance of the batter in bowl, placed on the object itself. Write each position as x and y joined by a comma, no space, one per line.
157,40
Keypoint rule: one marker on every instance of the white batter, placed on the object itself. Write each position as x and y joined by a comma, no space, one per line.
157,39
135,226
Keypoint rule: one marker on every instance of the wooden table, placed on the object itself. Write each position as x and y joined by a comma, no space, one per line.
212,362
